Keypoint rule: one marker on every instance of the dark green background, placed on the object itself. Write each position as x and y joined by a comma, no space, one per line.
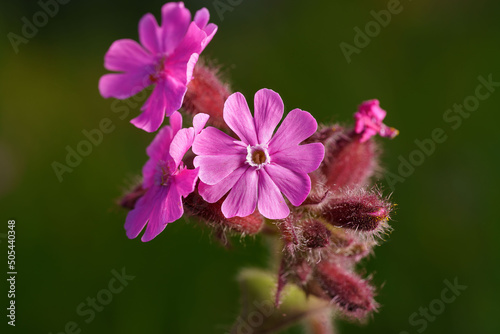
70,235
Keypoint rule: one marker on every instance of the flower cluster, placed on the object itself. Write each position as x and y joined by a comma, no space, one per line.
247,172
165,60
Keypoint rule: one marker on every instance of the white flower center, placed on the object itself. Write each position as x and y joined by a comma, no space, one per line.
257,156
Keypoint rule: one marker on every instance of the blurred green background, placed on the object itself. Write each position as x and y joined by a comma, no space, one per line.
70,234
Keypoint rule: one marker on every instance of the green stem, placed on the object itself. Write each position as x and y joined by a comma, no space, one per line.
320,323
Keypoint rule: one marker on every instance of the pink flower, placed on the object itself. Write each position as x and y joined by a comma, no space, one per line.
166,60
166,179
369,121
256,169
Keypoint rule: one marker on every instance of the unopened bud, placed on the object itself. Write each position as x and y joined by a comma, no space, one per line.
353,295
348,162
315,234
364,212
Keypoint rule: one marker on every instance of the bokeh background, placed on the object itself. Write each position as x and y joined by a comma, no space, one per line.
70,234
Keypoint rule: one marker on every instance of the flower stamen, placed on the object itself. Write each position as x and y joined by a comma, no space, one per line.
258,157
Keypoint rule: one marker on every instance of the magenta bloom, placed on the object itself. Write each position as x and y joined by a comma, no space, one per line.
166,60
259,167
165,178
369,119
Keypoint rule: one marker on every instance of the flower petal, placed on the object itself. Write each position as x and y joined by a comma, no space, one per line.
302,158
182,70
272,205
168,208
185,181
166,99
294,185
212,194
296,127
176,122
184,138
158,151
201,18
214,168
174,95
153,110
139,216
180,144
212,141
371,109
199,122
238,117
268,111
175,23
148,173
210,30
367,134
180,63
123,85
242,199
150,33
126,55
167,205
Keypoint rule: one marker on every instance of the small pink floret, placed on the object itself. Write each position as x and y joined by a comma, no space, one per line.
369,119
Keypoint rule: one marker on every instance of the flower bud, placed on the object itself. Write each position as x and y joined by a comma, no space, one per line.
315,234
206,94
353,295
363,212
348,161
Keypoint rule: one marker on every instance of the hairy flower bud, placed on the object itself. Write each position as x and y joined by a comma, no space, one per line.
315,234
348,162
206,94
353,295
363,212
